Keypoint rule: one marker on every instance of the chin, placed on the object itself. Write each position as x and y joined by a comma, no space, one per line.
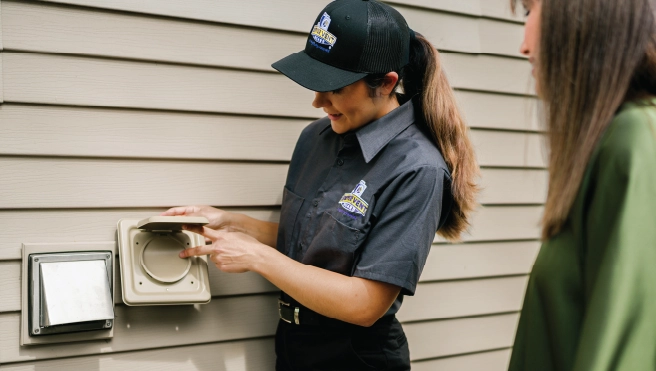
337,128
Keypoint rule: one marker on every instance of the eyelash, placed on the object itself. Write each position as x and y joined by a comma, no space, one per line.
526,12
337,91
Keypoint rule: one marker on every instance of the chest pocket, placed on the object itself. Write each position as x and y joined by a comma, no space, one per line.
291,205
334,246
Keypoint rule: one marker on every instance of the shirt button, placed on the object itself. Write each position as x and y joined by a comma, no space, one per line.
315,203
340,162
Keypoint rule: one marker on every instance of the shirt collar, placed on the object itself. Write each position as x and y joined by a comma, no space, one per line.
374,136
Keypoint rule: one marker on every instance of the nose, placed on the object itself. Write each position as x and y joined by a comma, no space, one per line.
524,48
320,100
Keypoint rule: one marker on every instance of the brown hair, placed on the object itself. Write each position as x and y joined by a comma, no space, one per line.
424,77
594,55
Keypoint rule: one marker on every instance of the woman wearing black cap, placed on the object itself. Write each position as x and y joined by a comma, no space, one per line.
367,188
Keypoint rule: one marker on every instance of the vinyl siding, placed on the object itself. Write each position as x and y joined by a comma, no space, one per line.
121,108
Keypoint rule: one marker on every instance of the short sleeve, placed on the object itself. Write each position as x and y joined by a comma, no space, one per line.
406,217
619,261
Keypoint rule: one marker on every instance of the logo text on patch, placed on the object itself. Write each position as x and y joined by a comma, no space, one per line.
353,202
320,32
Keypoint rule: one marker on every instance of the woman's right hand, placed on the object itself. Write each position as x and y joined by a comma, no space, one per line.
265,232
218,219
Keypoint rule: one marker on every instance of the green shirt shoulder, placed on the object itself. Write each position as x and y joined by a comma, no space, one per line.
590,300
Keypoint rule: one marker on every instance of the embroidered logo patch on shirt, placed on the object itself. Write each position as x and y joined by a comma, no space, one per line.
321,35
353,202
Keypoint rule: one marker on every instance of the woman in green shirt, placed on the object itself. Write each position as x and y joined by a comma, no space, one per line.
590,303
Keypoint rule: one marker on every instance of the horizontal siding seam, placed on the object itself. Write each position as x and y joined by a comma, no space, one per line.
486,315
135,351
466,279
461,354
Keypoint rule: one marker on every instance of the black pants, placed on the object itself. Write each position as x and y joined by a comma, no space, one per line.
346,347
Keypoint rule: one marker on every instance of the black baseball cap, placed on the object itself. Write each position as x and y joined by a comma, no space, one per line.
349,40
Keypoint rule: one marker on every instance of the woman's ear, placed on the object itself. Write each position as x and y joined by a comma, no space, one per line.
391,78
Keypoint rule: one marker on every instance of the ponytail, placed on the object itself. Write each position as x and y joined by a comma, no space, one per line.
425,78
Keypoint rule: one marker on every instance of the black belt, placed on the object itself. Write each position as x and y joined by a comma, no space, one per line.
293,312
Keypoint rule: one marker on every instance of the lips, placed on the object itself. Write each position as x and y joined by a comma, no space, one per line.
334,116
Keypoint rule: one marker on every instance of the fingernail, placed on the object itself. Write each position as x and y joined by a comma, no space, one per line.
181,254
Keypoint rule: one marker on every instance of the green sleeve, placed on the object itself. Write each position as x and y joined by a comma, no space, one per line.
619,256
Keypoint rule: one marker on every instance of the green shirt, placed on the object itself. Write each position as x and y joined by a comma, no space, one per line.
590,304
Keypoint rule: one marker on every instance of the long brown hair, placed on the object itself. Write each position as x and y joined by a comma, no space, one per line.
425,79
593,56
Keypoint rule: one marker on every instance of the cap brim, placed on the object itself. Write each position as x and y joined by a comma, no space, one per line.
314,75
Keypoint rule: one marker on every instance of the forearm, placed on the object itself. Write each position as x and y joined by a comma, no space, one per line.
350,299
264,232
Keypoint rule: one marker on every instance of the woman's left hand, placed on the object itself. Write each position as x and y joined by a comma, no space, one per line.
232,252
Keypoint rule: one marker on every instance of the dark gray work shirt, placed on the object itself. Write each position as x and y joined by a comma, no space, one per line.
366,203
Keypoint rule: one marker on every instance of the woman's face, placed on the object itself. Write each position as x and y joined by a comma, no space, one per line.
351,107
530,46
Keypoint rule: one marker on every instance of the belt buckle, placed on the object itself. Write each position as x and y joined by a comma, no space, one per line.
280,302
296,311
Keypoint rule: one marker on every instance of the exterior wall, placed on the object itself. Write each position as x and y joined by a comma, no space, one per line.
122,108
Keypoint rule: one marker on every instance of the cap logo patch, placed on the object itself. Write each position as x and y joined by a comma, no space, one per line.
320,32
353,202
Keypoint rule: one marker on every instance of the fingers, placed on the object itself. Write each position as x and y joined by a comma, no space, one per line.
208,233
180,210
197,251
210,236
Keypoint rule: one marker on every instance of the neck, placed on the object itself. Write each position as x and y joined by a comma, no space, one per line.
387,105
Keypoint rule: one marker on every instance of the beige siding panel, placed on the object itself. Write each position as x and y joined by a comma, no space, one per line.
496,360
494,148
53,29
1,48
68,131
10,293
1,35
446,31
484,110
471,7
61,226
433,300
501,9
500,37
56,79
221,284
458,336
503,186
290,15
504,223
2,73
34,27
251,355
91,183
155,327
271,14
471,260
73,183
440,300
488,73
